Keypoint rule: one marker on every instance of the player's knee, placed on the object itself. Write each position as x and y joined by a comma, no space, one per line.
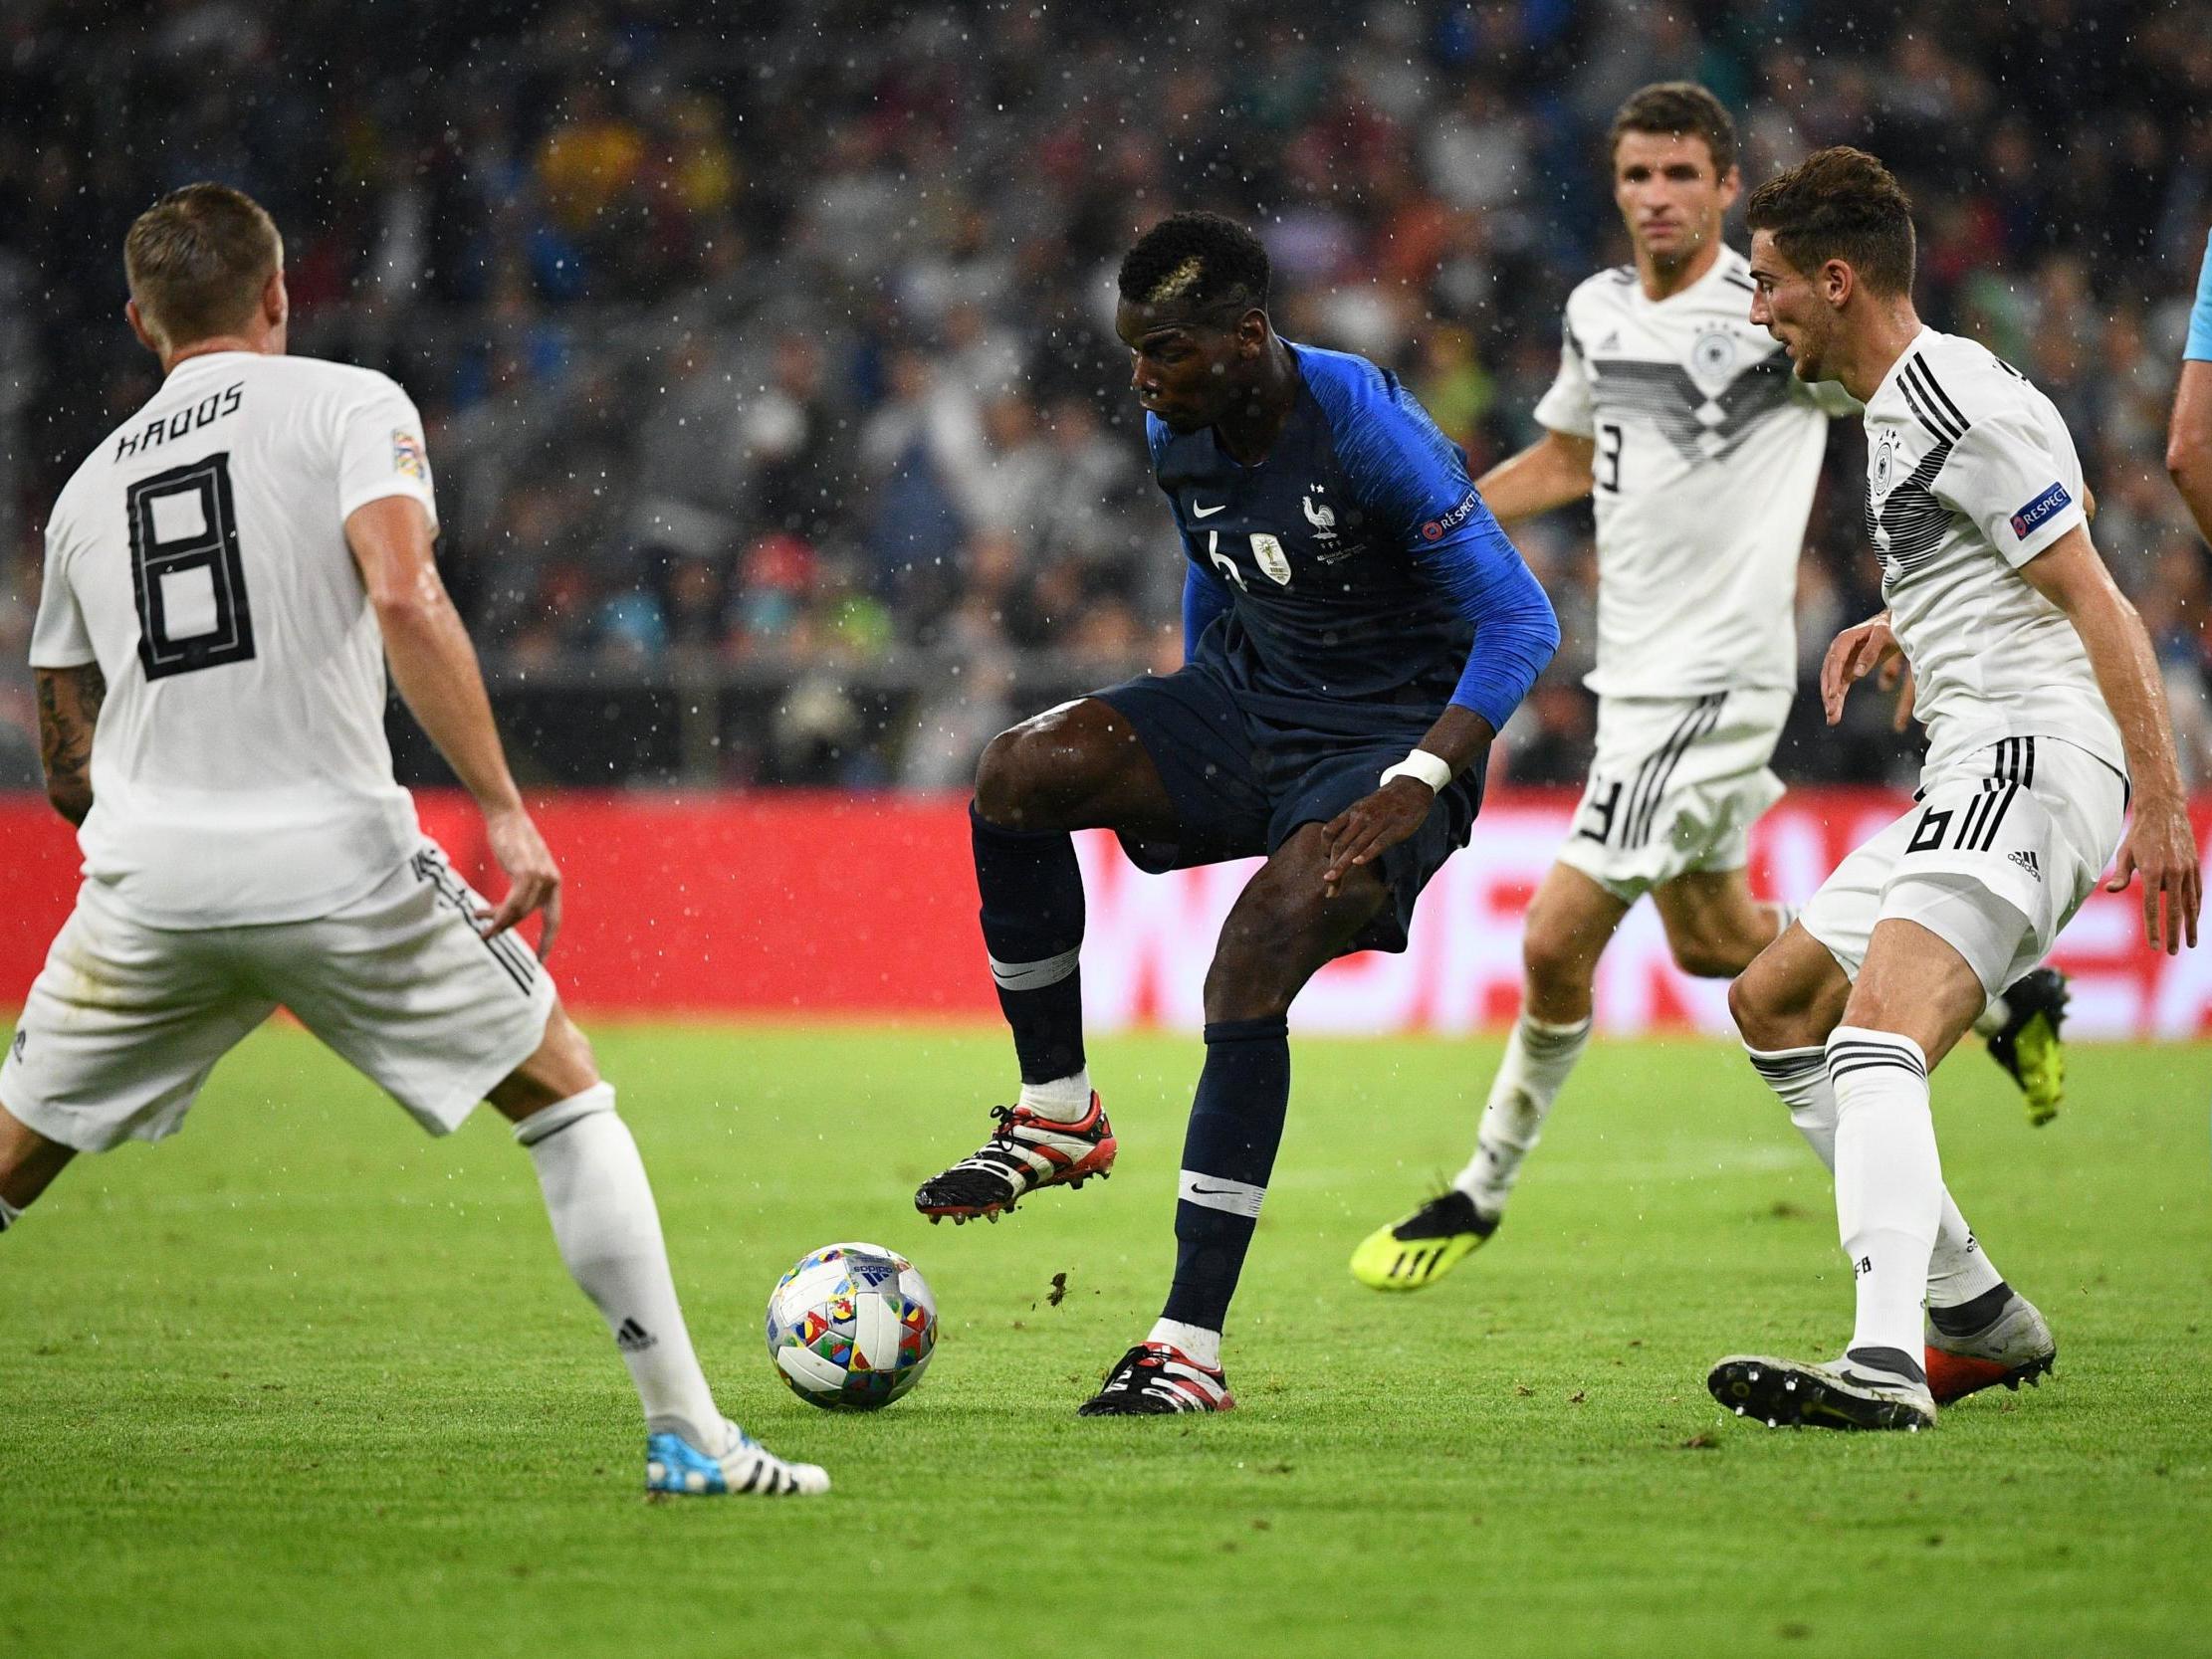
1003,778
561,1066
1704,957
1029,775
577,1060
1268,952
1556,962
1745,1006
1238,991
1764,1012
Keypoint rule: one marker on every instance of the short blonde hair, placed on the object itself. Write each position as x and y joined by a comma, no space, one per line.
197,261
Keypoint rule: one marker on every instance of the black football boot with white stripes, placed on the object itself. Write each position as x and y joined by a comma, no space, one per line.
1154,1380
1025,1152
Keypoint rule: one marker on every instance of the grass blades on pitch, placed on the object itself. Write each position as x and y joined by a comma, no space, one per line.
302,1381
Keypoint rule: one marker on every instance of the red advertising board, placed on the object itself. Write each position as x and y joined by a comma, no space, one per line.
804,905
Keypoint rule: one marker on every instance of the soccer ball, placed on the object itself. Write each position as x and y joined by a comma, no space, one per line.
852,1327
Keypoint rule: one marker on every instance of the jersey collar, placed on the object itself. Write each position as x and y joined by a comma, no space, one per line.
1713,273
1889,380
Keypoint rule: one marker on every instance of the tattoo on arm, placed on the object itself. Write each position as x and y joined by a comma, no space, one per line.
70,700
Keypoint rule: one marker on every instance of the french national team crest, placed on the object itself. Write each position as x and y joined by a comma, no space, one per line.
407,455
1267,553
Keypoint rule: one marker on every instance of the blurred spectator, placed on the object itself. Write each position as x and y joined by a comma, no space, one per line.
778,338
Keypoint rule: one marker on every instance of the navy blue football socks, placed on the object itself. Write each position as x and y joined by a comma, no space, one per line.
1033,918
1228,1151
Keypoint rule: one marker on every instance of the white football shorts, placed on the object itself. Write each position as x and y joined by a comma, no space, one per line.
1997,854
1675,785
126,1021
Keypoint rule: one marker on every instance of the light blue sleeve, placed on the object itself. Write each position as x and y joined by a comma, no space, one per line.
2199,348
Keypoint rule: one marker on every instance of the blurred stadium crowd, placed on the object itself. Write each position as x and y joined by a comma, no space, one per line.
779,431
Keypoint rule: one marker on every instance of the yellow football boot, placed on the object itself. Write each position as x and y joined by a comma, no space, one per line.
1425,1246
2029,1047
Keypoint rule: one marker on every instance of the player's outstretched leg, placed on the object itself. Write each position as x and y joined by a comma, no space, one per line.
1914,997
1281,930
29,1161
1073,767
609,1232
1569,924
1786,1006
2022,1031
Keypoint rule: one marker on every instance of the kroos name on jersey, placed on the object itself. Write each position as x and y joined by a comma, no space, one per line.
162,429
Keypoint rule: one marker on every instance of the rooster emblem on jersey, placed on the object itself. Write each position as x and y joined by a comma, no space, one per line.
1323,521
1322,517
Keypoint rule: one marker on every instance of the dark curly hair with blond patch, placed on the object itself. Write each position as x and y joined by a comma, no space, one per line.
1201,260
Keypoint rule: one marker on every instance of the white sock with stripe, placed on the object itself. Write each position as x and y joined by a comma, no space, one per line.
1198,1344
1066,1099
1958,1271
1888,1189
1538,1056
609,1235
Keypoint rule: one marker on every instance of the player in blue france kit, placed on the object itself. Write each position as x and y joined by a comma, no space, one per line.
1356,629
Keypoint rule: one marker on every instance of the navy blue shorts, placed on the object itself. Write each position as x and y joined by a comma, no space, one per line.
1243,783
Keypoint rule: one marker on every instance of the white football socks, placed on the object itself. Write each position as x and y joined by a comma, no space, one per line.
1066,1099
1198,1346
1958,1271
9,1215
609,1234
1800,1076
1538,1056
1889,1182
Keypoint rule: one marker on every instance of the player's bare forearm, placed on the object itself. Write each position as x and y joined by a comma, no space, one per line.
1852,655
2072,576
432,662
1459,738
68,710
2189,443
1551,472
434,666
2161,844
1374,824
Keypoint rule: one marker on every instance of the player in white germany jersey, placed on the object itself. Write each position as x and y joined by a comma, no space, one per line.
1702,451
225,577
2042,700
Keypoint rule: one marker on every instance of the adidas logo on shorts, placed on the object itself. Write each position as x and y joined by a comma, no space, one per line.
2027,861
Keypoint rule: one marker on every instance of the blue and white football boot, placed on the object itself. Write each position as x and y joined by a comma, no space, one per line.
745,1467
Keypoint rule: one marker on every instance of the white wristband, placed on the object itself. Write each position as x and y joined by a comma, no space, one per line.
1431,769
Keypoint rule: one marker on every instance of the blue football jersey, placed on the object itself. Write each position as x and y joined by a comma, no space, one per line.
1355,564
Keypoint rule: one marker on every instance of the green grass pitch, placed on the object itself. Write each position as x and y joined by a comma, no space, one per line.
302,1381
